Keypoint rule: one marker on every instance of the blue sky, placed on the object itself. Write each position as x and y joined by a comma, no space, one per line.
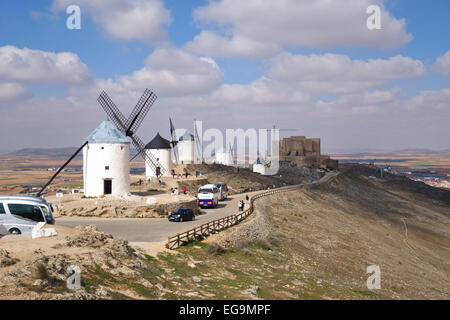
239,69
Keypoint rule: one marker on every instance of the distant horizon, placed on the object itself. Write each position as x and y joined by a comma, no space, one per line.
334,151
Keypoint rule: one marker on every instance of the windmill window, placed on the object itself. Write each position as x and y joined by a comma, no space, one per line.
102,148
106,167
121,148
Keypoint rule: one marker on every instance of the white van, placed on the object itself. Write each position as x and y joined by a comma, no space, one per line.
223,190
208,196
19,214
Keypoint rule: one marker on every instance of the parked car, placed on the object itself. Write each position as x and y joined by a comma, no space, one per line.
19,214
182,214
208,196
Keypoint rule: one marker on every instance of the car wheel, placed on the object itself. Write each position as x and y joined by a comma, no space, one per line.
193,218
181,219
14,231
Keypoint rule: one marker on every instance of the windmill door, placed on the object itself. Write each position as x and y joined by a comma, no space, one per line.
107,186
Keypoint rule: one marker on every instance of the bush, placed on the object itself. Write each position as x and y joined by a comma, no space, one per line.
41,272
215,249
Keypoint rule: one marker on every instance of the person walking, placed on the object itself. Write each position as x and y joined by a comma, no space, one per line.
247,197
184,189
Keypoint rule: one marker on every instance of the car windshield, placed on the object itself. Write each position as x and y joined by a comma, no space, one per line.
45,211
205,191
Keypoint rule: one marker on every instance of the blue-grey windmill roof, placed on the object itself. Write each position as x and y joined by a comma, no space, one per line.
107,132
187,136
158,142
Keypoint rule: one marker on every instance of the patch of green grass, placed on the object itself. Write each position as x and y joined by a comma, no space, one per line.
143,291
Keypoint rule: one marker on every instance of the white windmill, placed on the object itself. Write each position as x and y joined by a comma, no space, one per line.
106,162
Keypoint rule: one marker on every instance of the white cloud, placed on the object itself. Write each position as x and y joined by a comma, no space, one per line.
362,103
442,64
219,46
430,99
41,66
143,20
12,91
268,24
170,72
333,73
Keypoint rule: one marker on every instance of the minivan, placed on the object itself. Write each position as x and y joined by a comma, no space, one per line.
208,196
19,214
223,190
182,214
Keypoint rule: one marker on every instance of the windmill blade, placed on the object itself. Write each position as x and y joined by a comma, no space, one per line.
61,169
174,141
197,142
112,111
140,111
148,156
121,123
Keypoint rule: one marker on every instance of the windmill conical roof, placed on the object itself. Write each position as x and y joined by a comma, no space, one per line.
158,142
107,132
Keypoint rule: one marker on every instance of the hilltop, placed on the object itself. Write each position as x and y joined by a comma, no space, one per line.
313,243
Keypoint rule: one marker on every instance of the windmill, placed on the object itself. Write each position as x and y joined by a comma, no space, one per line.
128,126
174,141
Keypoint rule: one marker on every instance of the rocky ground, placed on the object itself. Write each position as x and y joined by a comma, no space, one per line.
240,180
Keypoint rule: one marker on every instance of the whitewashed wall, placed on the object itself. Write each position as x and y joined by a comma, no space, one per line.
165,160
95,159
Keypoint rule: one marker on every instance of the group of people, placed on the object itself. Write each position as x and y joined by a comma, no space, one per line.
175,192
241,203
179,175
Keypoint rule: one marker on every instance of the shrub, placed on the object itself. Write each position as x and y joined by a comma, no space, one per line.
215,249
41,272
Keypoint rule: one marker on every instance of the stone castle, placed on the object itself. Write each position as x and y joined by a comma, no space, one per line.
303,152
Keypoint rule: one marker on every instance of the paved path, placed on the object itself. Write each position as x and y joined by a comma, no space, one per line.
153,229
159,229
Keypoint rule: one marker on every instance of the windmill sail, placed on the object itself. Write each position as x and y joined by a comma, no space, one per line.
174,141
198,142
61,169
130,125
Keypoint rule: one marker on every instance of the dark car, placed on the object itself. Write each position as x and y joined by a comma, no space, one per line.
182,214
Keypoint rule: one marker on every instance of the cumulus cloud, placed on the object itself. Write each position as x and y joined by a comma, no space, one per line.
430,99
12,91
170,72
220,46
255,28
442,64
41,66
334,73
143,20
